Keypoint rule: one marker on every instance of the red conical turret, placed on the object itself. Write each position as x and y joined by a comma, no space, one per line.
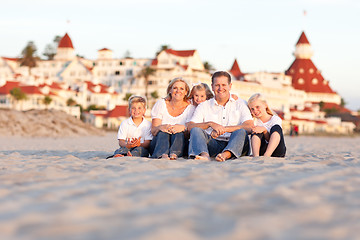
65,42
235,70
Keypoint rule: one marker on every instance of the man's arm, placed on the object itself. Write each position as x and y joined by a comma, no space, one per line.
247,125
205,125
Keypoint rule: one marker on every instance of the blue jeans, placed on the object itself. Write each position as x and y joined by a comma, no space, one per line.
135,151
201,142
165,143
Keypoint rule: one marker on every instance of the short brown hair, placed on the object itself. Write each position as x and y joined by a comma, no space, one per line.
220,74
137,99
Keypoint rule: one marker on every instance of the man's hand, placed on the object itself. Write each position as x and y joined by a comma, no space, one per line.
219,129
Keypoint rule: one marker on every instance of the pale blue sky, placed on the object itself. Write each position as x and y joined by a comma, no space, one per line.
261,34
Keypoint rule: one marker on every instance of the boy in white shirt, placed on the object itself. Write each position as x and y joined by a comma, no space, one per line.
134,133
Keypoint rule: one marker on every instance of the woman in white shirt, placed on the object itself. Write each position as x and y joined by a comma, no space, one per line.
169,116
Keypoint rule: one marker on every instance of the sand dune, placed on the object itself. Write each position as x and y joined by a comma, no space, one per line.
43,123
64,189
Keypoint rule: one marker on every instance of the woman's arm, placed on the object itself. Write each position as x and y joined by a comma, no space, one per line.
156,126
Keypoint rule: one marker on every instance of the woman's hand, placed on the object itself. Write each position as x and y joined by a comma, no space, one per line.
176,128
165,128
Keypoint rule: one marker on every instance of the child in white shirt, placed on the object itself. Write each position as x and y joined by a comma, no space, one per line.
267,138
134,133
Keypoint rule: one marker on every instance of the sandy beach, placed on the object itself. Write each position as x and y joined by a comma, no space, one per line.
63,188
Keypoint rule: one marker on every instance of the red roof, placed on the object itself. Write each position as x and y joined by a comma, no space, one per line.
154,62
303,39
104,49
305,69
65,42
119,111
26,89
185,53
31,90
11,59
8,86
235,70
339,108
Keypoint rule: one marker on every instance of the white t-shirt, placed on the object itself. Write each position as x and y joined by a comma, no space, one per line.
128,129
235,112
160,111
269,124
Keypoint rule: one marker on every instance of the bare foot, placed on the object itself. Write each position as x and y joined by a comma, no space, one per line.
203,156
118,155
129,154
221,157
165,156
173,156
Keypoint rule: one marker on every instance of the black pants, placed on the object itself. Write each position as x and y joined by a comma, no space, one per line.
280,150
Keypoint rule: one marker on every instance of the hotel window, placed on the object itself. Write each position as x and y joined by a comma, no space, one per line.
301,70
129,72
314,81
120,63
134,63
311,70
117,72
301,81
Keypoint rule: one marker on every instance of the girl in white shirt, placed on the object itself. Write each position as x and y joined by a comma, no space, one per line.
267,137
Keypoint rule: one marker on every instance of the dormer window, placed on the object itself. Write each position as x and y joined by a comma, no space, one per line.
314,81
311,70
301,81
291,70
301,70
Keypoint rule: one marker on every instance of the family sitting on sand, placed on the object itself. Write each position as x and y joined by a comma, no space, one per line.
201,125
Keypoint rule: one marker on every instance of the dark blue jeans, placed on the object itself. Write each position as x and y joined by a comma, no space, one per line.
136,151
165,143
201,142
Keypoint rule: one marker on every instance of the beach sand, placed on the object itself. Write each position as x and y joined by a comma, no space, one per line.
64,188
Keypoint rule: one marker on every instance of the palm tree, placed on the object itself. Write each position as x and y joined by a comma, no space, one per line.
47,100
17,94
208,66
162,48
28,56
146,73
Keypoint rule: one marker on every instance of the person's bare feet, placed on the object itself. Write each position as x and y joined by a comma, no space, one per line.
165,156
118,155
221,157
173,156
203,156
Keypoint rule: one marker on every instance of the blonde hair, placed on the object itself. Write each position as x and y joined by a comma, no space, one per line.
258,96
171,84
202,87
137,99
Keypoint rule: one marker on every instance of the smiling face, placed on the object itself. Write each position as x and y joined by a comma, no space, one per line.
199,96
221,88
258,109
178,91
137,110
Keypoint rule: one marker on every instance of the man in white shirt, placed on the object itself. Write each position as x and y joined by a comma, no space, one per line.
219,126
